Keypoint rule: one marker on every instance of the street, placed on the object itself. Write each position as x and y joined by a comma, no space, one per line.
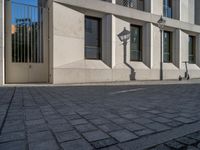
107,117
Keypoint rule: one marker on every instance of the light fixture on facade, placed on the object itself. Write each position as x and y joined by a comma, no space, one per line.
161,23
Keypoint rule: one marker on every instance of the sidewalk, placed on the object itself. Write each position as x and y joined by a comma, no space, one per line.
117,116
154,82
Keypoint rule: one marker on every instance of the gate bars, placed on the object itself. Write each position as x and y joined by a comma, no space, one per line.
27,33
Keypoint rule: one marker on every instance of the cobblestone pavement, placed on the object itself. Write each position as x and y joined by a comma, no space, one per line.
100,117
188,142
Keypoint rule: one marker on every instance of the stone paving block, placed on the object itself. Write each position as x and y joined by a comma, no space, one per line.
148,115
44,145
111,148
186,140
143,121
175,145
104,143
192,148
37,128
162,119
72,117
40,136
16,145
129,116
174,123
184,120
187,115
195,136
67,136
78,121
15,117
33,116
48,113
171,111
155,111
60,127
111,116
91,116
198,145
85,127
168,115
109,127
35,122
83,112
144,132
121,121
12,136
79,144
123,135
71,109
160,147
57,121
14,126
49,118
133,127
95,135
99,121
157,126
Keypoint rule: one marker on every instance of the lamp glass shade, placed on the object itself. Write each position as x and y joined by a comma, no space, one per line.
161,23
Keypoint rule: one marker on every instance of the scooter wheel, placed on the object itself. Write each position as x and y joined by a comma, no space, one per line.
188,77
179,78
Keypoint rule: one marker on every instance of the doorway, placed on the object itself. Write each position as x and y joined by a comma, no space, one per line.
26,43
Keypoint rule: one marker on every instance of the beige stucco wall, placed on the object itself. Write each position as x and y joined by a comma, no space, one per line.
69,65
187,11
1,41
156,9
66,41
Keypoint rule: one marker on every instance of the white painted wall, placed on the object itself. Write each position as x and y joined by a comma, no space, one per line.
198,49
157,7
66,43
69,65
68,35
177,48
187,9
1,42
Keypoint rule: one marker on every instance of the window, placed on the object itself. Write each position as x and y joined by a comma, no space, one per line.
136,4
92,38
167,8
167,47
136,43
140,5
192,49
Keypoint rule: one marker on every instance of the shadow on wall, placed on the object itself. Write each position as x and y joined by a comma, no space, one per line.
132,75
124,36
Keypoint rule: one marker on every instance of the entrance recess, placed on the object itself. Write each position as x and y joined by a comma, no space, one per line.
26,43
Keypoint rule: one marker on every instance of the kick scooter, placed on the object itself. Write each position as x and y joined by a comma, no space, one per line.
187,76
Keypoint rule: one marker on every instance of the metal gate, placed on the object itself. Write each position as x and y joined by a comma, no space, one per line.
26,43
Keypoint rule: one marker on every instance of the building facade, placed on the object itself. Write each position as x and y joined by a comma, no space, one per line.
81,43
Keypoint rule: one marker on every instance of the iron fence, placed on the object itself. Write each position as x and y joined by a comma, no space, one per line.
27,33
